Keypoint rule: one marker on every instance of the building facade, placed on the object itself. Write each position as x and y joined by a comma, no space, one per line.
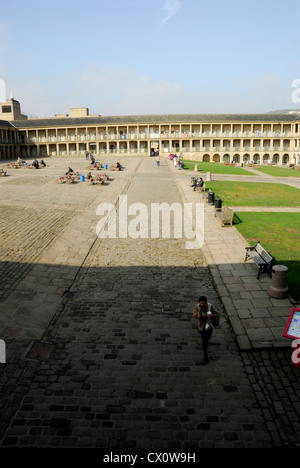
9,147
259,138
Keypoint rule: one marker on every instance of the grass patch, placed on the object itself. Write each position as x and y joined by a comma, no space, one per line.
279,234
255,194
278,171
216,168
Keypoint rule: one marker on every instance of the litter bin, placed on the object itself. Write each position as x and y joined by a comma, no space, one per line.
279,286
81,177
211,198
105,166
218,204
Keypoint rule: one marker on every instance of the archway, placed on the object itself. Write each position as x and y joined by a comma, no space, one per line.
206,158
256,159
285,159
216,158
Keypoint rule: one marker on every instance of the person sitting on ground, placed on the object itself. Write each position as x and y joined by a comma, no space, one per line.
69,171
42,163
20,161
35,164
89,175
118,165
92,159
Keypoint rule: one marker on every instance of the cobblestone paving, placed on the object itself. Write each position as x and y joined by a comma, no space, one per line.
126,370
45,191
25,234
127,367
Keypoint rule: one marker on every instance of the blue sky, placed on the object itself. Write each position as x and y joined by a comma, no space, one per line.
141,57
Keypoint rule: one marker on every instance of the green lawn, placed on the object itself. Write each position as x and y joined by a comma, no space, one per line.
278,171
279,234
215,168
255,194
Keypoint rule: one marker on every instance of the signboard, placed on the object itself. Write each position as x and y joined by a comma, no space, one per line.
292,329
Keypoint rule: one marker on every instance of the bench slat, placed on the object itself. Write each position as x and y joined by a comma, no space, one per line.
261,258
225,215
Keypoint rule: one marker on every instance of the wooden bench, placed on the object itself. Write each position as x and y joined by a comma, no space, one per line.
96,166
74,175
104,177
114,167
64,180
225,214
95,181
262,259
2,173
11,166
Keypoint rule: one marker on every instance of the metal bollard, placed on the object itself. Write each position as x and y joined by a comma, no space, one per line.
279,286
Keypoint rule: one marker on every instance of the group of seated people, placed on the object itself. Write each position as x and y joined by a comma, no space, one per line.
21,161
35,163
197,182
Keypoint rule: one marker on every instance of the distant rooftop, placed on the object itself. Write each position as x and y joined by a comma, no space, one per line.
5,123
154,119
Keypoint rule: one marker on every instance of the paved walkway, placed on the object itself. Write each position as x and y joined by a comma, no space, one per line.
258,319
123,367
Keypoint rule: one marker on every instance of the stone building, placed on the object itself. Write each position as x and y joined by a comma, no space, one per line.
260,138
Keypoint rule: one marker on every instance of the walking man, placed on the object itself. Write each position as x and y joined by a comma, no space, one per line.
208,318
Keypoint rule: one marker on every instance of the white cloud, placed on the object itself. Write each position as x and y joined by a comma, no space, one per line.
104,89
171,8
111,90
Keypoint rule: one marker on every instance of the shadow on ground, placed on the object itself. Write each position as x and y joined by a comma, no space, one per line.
124,366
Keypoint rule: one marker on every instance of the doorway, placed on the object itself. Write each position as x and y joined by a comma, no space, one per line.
154,147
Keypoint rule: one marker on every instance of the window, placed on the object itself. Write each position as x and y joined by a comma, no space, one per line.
6,109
